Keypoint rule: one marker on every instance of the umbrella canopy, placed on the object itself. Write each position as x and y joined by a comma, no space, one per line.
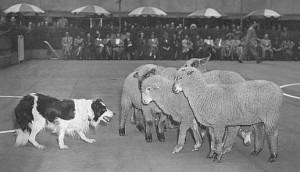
23,8
264,13
147,11
91,10
207,13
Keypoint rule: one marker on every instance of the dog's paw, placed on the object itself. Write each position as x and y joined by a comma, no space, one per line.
64,147
40,146
90,140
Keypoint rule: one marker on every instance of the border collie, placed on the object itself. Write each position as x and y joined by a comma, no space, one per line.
36,112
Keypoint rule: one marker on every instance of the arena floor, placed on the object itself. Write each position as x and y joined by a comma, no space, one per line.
111,152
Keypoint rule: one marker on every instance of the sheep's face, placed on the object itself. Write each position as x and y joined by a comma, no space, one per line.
182,78
147,91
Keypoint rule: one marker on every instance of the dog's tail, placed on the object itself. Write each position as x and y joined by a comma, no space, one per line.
22,137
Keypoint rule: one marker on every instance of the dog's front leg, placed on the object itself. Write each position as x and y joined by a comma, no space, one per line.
84,138
61,136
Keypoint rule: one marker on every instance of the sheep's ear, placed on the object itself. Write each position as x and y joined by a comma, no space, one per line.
151,72
155,86
205,60
189,73
136,75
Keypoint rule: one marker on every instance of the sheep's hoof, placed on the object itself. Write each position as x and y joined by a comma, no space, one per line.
197,147
122,131
148,138
256,152
140,128
217,158
161,137
272,157
211,154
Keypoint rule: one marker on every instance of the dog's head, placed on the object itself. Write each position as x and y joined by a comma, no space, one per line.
101,113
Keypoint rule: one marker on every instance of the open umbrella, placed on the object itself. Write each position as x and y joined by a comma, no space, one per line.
147,11
23,8
264,13
207,13
91,10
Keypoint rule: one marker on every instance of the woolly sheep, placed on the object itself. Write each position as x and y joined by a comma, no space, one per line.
215,76
131,101
255,103
159,89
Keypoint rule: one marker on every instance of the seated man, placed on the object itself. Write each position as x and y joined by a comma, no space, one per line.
210,46
67,42
187,48
153,46
99,45
277,49
118,46
128,46
78,47
266,46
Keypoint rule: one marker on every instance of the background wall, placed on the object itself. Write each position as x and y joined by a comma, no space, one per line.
288,7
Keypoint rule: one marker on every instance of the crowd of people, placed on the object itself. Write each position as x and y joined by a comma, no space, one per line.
163,42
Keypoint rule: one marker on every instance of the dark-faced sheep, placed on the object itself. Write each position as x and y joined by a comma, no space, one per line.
217,106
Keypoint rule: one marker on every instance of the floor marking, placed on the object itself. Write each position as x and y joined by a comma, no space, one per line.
11,96
288,95
8,131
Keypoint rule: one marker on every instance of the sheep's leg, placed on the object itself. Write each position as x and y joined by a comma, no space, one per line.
259,137
140,121
133,116
219,133
160,127
126,107
149,123
211,153
230,138
184,126
196,134
272,138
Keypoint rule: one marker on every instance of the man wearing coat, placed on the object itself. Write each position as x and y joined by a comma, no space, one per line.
250,44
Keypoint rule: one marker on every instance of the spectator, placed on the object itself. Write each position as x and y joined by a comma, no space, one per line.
297,50
153,46
88,46
187,48
99,46
67,43
140,47
128,46
175,46
277,49
266,46
107,42
78,47
118,47
166,47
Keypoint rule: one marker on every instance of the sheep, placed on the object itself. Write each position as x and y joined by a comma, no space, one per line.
217,106
131,101
159,89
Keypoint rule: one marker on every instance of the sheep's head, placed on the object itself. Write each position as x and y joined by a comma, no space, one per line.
145,72
198,63
151,88
183,78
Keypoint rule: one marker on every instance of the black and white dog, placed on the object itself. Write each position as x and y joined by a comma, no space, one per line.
36,111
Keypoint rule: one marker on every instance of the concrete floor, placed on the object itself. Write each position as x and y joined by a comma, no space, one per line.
111,152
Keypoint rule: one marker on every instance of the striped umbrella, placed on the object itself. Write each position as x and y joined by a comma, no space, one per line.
207,13
23,8
147,11
91,10
264,13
